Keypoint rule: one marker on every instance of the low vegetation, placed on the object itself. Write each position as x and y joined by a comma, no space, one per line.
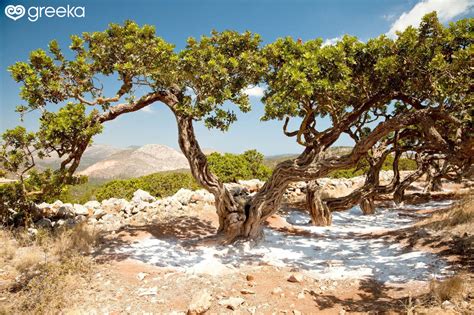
451,289
362,168
158,184
230,167
42,269
457,220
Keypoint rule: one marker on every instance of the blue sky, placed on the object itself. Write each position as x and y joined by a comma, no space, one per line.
177,20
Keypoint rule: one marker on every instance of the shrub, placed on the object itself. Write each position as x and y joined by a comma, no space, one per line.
451,289
404,164
43,269
14,208
233,167
81,193
158,184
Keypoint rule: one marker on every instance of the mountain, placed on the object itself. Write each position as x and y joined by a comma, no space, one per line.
135,162
95,153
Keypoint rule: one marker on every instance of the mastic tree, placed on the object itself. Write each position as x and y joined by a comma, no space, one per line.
193,83
425,69
420,72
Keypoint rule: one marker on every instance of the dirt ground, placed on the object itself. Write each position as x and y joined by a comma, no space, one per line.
122,285
119,284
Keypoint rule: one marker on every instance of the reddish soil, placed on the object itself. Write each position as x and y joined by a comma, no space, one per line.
115,288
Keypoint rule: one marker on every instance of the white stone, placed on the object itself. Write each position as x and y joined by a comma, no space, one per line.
80,209
114,204
147,291
141,275
93,204
141,195
200,303
183,196
447,305
99,213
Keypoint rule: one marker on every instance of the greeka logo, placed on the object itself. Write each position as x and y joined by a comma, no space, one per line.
16,12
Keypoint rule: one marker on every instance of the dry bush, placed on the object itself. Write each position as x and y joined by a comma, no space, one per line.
9,245
49,291
28,259
452,289
461,213
46,268
79,239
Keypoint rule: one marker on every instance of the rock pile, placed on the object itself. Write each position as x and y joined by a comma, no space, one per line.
334,187
111,214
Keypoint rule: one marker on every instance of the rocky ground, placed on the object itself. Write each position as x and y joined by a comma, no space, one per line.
158,256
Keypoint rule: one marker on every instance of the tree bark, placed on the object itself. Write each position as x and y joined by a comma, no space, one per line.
367,205
399,192
434,184
320,213
230,212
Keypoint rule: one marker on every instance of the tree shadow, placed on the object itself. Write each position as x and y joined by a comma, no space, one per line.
384,257
374,298
189,231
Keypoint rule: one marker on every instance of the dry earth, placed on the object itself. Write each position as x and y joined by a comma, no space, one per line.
116,287
118,283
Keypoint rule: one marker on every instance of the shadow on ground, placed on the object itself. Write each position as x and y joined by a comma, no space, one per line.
187,230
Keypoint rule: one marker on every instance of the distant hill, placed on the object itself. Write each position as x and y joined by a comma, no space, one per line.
135,162
92,155
104,162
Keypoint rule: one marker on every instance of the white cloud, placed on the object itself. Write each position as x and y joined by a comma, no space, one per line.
255,91
446,9
389,17
147,109
331,41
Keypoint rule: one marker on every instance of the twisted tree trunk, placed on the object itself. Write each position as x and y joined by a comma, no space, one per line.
434,183
320,213
364,196
367,205
245,220
231,213
399,192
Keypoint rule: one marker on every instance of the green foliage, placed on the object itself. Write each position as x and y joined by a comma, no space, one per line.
80,193
66,130
15,152
232,167
61,133
404,164
158,184
425,63
12,197
217,69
